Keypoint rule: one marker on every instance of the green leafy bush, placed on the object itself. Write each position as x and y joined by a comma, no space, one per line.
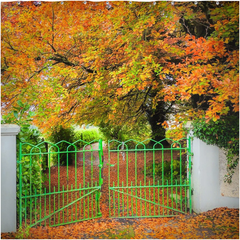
138,132
32,173
86,135
225,134
70,135
166,170
62,137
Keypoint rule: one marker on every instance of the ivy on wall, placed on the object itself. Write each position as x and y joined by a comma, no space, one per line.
223,133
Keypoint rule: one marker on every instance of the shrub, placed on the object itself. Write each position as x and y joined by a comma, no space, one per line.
70,135
86,135
138,132
59,134
167,170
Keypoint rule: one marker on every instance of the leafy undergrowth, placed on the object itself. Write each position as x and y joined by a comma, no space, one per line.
221,223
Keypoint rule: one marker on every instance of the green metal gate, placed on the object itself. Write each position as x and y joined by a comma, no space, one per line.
147,179
72,196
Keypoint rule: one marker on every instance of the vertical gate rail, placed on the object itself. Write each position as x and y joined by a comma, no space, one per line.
153,183
59,194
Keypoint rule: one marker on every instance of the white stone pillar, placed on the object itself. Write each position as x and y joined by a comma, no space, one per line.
8,177
207,179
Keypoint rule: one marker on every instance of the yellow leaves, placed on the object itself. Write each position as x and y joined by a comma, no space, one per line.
226,40
151,22
227,90
215,118
143,77
176,131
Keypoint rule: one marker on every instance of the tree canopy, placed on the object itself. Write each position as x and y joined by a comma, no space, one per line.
120,63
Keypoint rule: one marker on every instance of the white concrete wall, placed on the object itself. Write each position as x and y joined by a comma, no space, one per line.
8,177
207,179
232,189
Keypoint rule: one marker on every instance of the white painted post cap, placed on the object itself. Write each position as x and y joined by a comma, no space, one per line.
9,129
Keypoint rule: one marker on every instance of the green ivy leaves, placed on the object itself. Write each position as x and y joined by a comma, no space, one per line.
223,133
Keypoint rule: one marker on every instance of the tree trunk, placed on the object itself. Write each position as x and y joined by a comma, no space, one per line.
156,117
45,158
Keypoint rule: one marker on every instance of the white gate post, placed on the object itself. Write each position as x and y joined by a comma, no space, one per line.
8,177
207,177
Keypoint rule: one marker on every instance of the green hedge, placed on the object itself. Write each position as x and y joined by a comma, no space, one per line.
86,135
71,135
138,132
58,134
174,164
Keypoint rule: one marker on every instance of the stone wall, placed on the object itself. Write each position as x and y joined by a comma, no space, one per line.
232,189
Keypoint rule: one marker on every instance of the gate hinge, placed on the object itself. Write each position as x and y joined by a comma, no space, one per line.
192,191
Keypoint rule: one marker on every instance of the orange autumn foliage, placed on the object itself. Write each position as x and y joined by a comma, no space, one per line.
91,63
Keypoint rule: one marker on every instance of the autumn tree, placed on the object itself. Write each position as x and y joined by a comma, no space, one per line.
119,63
208,78
207,82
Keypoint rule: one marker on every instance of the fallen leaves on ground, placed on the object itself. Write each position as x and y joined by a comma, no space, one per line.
221,223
